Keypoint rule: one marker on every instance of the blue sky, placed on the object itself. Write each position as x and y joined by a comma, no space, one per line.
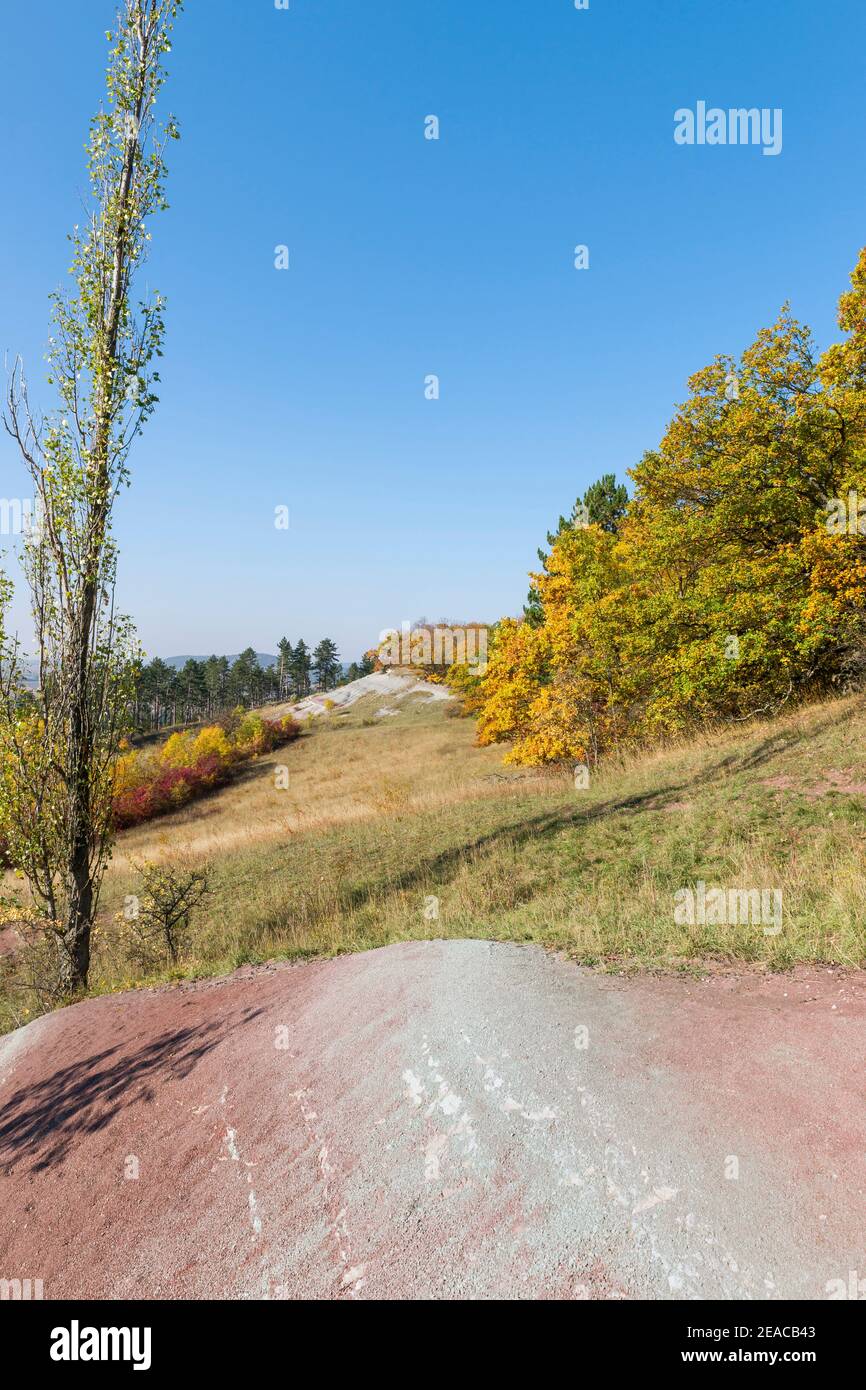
409,257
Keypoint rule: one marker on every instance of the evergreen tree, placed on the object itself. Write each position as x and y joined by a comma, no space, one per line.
301,664
192,689
158,680
284,666
604,504
326,664
357,669
244,679
216,670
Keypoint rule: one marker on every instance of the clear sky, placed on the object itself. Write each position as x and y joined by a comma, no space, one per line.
409,257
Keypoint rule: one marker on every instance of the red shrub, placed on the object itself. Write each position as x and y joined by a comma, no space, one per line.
132,807
174,786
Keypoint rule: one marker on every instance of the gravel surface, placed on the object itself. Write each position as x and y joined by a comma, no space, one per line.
441,1120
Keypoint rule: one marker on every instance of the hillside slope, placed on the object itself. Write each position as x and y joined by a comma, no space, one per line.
469,1118
390,824
394,825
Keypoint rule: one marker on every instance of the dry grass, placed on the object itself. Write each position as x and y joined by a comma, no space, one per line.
384,815
348,768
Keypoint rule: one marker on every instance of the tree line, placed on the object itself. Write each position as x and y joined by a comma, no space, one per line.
203,689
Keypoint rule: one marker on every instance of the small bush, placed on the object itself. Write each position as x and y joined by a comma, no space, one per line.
212,742
177,751
128,773
161,912
250,733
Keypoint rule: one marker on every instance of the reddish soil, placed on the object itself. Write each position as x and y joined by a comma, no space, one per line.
422,1121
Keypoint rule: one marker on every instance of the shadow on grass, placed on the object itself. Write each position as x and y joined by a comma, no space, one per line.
441,867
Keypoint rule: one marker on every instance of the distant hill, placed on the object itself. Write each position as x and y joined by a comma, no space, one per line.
265,659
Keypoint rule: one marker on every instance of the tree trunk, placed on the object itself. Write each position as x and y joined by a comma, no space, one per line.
75,961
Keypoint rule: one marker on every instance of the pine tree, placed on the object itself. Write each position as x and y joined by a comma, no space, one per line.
244,679
193,689
300,670
284,647
326,664
216,683
606,503
158,685
357,669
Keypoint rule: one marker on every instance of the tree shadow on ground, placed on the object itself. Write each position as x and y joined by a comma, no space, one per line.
441,867
41,1121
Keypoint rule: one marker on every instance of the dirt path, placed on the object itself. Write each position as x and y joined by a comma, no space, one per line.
446,1120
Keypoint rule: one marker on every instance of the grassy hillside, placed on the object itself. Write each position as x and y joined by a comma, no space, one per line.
384,812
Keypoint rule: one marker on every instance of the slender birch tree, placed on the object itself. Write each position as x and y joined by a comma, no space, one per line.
58,748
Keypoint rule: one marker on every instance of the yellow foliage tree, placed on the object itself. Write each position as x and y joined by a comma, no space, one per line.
736,577
211,741
178,750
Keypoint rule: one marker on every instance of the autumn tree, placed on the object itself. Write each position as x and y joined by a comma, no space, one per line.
734,581
58,765
167,897
604,504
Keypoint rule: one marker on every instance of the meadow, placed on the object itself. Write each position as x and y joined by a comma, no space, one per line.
395,826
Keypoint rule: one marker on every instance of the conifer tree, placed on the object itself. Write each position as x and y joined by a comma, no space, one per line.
326,664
